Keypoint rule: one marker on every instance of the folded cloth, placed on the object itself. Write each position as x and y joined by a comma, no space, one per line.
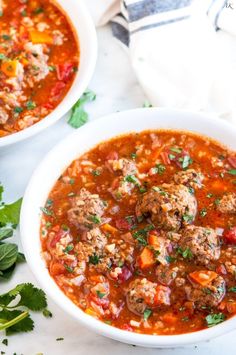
183,51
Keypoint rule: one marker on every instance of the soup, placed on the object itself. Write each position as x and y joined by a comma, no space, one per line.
140,232
39,57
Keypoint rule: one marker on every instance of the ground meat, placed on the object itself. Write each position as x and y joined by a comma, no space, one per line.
87,210
93,243
162,247
169,206
37,68
227,204
202,242
126,166
189,177
141,295
208,296
166,274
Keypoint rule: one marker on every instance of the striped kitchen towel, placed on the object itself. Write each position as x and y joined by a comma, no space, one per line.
183,51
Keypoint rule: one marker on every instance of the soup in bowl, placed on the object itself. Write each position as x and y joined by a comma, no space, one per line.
137,226
40,62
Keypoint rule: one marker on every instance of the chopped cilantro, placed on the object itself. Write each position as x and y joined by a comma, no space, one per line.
30,105
203,212
159,169
232,289
176,150
18,109
95,219
186,253
6,37
209,195
214,319
132,178
232,172
94,259
100,294
38,10
185,161
188,218
68,248
46,211
147,313
96,172
68,268
133,155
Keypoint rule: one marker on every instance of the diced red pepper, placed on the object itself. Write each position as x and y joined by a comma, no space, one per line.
57,238
232,161
64,71
125,223
57,90
230,235
165,158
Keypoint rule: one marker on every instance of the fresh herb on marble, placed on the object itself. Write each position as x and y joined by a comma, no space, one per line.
9,253
78,115
16,305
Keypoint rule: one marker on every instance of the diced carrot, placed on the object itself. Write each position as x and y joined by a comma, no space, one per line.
165,158
91,312
40,37
2,133
222,305
169,318
9,67
108,228
153,240
231,307
146,258
203,277
56,269
97,278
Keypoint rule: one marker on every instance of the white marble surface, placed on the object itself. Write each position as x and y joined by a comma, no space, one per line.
117,89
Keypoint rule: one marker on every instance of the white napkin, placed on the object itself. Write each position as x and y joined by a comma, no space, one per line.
183,51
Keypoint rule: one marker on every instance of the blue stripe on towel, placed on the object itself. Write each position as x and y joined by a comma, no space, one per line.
120,32
145,8
153,25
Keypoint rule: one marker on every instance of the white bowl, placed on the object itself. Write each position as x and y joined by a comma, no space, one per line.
56,162
84,29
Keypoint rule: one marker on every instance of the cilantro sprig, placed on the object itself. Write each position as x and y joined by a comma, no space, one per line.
16,305
78,115
9,253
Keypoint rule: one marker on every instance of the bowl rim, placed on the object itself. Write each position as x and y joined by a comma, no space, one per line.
55,292
88,37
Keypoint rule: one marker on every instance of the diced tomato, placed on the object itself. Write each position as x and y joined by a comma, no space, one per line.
125,274
165,158
64,71
232,161
103,302
127,327
57,238
112,156
221,269
231,307
125,223
57,90
230,235
56,269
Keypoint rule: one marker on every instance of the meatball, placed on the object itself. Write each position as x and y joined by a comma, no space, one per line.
202,242
189,177
169,206
227,204
206,296
87,210
126,166
143,294
93,243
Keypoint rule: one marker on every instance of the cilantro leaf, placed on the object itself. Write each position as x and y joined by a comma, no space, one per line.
6,233
78,115
214,319
1,192
16,321
32,297
147,314
8,255
10,213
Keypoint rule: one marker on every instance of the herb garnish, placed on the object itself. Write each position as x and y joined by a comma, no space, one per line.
214,319
147,314
78,116
94,259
